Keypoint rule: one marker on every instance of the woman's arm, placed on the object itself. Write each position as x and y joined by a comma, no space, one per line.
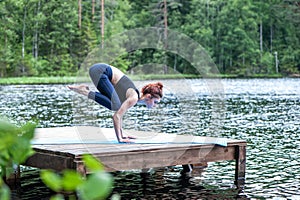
117,118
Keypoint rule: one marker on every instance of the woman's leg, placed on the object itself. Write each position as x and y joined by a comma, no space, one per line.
101,99
101,75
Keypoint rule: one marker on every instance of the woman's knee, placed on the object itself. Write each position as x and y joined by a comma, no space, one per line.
97,69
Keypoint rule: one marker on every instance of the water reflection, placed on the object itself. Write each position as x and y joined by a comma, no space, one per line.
169,183
265,112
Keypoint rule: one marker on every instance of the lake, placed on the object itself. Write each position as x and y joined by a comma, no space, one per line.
264,112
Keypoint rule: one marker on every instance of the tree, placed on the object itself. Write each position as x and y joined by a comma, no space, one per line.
8,35
41,37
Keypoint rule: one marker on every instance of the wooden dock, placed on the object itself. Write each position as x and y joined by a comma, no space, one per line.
62,148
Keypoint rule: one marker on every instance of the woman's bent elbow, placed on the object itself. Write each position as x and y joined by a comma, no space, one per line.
116,116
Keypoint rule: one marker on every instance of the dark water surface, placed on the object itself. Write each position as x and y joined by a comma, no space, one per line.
264,112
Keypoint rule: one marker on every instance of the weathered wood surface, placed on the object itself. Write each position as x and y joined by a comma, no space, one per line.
62,147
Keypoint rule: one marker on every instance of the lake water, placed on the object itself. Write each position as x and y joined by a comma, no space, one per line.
264,112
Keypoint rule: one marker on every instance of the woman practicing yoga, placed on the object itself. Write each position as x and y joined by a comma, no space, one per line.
118,93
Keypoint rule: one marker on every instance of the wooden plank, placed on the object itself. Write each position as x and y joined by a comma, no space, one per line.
50,160
89,134
57,155
100,148
160,158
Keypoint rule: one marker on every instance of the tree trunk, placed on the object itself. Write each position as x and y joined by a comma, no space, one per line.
271,38
276,62
93,10
165,23
207,10
23,39
261,37
79,14
175,62
102,23
35,38
165,32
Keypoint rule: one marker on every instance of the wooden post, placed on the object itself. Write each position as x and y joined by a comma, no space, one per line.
240,166
187,168
81,168
12,176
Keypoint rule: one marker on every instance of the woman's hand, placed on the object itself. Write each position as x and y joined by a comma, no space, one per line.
118,129
125,140
117,117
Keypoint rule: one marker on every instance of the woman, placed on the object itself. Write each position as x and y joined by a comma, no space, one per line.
118,93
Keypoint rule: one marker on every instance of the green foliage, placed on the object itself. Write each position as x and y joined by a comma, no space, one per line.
15,148
98,185
4,191
267,62
237,34
15,144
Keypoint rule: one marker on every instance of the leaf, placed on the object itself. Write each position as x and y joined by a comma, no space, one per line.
15,142
28,131
20,150
71,180
97,186
7,127
57,197
8,133
92,163
6,141
4,191
4,157
52,180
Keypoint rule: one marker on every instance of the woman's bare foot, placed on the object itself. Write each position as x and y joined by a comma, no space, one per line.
80,89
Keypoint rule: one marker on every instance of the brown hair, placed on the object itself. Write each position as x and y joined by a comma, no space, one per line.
154,89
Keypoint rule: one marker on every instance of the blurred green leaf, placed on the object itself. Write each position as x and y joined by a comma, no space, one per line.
15,147
8,133
97,186
4,191
52,180
71,180
28,131
57,197
6,126
92,163
15,142
4,157
21,149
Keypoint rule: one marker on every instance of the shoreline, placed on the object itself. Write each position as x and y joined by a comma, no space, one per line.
74,79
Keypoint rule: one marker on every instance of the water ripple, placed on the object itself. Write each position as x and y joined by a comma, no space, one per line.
264,112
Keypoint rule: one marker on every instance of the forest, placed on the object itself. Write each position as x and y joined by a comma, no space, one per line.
245,37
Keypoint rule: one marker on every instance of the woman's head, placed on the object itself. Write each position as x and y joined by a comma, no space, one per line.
152,93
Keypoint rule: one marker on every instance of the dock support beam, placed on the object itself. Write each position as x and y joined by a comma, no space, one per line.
12,176
187,168
240,166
